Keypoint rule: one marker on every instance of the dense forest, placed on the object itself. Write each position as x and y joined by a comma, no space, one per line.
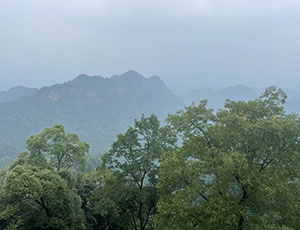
235,168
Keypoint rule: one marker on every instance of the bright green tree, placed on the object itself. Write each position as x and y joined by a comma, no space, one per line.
63,150
37,191
136,155
238,168
37,198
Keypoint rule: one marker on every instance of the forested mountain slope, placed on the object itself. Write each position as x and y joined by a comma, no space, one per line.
96,108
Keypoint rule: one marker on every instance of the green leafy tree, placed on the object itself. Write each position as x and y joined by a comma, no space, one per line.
63,150
105,194
237,168
136,155
37,198
37,191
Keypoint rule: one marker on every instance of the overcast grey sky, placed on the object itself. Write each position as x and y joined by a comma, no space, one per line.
202,43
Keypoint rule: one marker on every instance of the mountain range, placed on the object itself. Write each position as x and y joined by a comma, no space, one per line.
99,108
95,107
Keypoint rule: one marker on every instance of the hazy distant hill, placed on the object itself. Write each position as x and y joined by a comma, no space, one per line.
216,98
16,93
96,108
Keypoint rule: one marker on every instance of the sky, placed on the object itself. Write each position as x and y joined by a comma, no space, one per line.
188,43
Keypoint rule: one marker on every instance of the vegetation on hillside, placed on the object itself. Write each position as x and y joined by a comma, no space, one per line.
237,168
96,108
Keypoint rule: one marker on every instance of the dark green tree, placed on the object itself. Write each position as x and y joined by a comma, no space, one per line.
238,168
37,191
105,194
37,198
136,155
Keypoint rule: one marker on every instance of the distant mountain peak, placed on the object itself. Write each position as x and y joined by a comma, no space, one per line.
85,77
129,75
155,78
82,75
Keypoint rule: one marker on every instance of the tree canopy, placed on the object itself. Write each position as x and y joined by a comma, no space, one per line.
136,155
63,150
38,198
238,168
37,191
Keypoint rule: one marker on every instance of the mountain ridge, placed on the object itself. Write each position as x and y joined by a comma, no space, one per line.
15,93
95,107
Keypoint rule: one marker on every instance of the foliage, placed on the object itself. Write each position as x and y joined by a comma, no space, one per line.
37,191
136,155
64,150
104,194
238,168
32,197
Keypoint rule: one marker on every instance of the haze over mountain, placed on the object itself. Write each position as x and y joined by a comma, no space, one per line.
205,42
16,93
216,98
96,108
